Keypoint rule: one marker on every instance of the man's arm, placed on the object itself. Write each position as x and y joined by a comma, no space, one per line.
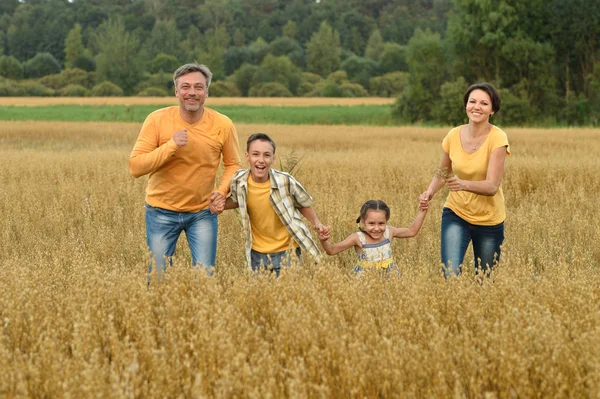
231,160
147,156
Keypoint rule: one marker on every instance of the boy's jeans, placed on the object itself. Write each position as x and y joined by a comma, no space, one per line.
163,228
456,235
273,261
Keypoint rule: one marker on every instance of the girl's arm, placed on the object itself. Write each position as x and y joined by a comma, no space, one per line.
333,249
492,181
412,230
438,180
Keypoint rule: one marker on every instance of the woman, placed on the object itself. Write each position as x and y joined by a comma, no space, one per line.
472,167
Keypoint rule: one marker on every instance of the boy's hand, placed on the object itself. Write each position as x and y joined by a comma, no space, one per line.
325,234
216,203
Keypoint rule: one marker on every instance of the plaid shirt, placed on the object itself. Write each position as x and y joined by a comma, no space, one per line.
287,195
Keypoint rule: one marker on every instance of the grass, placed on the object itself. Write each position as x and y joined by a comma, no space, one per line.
77,319
322,115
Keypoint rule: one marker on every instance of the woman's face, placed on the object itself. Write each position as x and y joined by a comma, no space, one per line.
479,106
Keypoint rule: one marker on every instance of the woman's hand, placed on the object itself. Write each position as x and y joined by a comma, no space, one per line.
424,199
456,184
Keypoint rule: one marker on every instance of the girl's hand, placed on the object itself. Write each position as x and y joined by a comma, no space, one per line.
424,199
455,184
325,233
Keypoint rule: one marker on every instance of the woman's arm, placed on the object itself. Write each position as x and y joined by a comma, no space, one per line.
492,181
438,180
412,230
333,249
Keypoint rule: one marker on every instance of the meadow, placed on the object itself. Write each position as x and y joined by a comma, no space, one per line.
78,319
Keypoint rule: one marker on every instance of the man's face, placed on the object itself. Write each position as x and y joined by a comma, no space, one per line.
191,91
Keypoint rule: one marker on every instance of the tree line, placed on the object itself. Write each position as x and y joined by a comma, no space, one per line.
543,55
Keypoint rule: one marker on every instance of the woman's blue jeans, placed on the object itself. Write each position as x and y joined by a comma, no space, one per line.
456,235
163,228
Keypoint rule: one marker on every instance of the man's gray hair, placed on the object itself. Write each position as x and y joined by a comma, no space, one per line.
193,67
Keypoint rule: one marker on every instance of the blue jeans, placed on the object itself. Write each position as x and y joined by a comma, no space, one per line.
274,261
456,235
163,228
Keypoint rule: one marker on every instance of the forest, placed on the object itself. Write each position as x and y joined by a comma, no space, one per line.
543,55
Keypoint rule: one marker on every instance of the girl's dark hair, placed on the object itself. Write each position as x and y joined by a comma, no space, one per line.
373,205
489,89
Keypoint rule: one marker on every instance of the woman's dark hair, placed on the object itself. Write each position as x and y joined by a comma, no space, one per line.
373,205
261,137
489,89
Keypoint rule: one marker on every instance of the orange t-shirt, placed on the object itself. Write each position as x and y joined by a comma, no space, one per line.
181,179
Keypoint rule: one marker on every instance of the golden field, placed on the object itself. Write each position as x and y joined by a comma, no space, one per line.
214,101
78,319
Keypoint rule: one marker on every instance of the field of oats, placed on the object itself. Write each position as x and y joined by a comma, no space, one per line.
78,320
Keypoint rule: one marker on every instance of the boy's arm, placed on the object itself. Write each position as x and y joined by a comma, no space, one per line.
231,204
333,249
412,230
310,214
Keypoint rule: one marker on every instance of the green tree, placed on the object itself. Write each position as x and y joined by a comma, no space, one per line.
242,77
164,63
323,50
374,46
360,70
118,60
289,30
278,69
288,47
427,72
73,46
393,58
165,38
449,109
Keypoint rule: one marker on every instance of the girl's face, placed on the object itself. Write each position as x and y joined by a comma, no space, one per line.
374,223
479,106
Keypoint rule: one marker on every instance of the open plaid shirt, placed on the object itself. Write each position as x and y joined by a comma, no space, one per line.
287,195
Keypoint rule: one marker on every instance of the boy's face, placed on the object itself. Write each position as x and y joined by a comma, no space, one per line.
260,156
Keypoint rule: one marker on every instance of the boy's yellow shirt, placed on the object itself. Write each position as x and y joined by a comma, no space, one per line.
269,235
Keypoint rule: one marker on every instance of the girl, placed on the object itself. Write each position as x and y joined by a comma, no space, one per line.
372,242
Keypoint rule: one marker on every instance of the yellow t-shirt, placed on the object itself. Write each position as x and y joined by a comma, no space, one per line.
474,208
269,235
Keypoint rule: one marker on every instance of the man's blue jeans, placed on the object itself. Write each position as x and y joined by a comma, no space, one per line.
456,235
274,261
163,228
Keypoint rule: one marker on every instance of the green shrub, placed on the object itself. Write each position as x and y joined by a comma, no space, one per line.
388,85
311,77
74,90
84,62
152,92
10,67
224,89
338,77
107,89
9,88
353,90
317,90
32,88
71,76
331,89
270,89
41,64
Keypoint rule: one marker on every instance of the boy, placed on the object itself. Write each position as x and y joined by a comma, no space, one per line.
271,203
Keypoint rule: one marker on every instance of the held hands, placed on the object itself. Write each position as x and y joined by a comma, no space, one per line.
324,232
424,200
180,138
216,202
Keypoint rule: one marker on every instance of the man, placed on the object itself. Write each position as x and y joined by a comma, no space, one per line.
181,148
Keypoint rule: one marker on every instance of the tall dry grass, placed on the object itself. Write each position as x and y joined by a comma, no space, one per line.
213,101
79,321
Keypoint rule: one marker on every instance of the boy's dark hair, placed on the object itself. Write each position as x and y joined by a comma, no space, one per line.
373,205
260,136
489,89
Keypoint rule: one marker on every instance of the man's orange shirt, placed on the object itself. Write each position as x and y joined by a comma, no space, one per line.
181,179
